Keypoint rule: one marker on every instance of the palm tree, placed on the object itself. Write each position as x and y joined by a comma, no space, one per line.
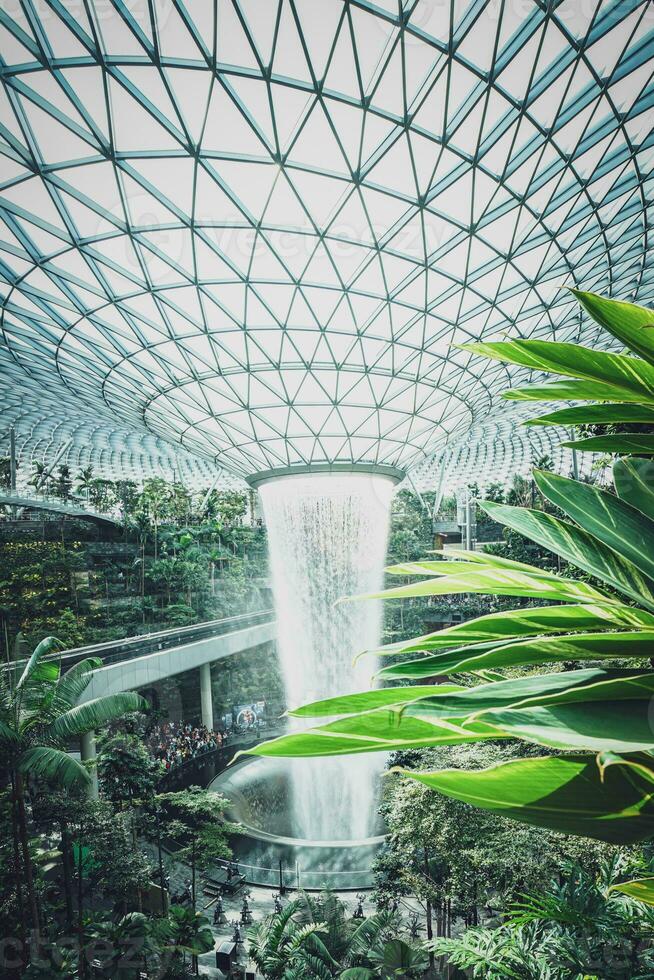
314,939
39,714
154,498
85,481
185,932
127,941
39,476
282,949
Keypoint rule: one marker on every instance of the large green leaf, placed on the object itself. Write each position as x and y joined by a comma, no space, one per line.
610,714
374,731
626,321
566,793
578,545
615,685
9,739
602,414
614,726
38,670
73,683
621,371
520,623
93,714
621,442
634,482
459,560
522,653
450,700
497,581
430,568
642,889
384,697
571,391
53,764
397,958
441,719
562,686
608,518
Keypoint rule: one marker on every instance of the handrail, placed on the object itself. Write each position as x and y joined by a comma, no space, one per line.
115,651
74,505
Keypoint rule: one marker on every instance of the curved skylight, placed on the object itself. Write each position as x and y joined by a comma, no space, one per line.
256,228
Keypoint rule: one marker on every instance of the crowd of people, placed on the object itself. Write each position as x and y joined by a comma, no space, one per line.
174,743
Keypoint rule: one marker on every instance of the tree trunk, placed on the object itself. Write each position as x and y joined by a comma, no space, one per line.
17,868
430,926
193,872
67,872
162,880
80,904
27,860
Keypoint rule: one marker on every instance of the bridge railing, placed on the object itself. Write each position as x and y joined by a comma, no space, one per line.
73,505
116,651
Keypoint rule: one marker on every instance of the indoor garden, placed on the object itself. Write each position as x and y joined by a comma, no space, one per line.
326,490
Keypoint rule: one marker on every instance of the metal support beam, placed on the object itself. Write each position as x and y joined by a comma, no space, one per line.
470,503
47,473
12,458
88,753
205,499
438,496
206,699
417,493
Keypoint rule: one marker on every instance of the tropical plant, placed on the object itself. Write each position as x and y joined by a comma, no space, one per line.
5,472
283,949
39,714
62,483
84,481
595,774
122,947
494,861
501,954
315,938
40,476
397,958
192,821
574,927
183,933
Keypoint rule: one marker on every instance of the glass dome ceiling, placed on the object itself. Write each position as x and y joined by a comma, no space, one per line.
255,228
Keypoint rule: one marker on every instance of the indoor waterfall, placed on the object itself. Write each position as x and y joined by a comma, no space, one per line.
327,538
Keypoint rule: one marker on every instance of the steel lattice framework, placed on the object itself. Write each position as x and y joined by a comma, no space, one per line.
256,228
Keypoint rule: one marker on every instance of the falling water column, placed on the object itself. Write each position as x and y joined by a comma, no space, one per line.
327,535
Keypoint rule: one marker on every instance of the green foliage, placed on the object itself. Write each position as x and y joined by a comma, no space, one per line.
176,564
40,590
494,859
313,938
193,822
641,889
183,933
126,770
39,713
576,927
